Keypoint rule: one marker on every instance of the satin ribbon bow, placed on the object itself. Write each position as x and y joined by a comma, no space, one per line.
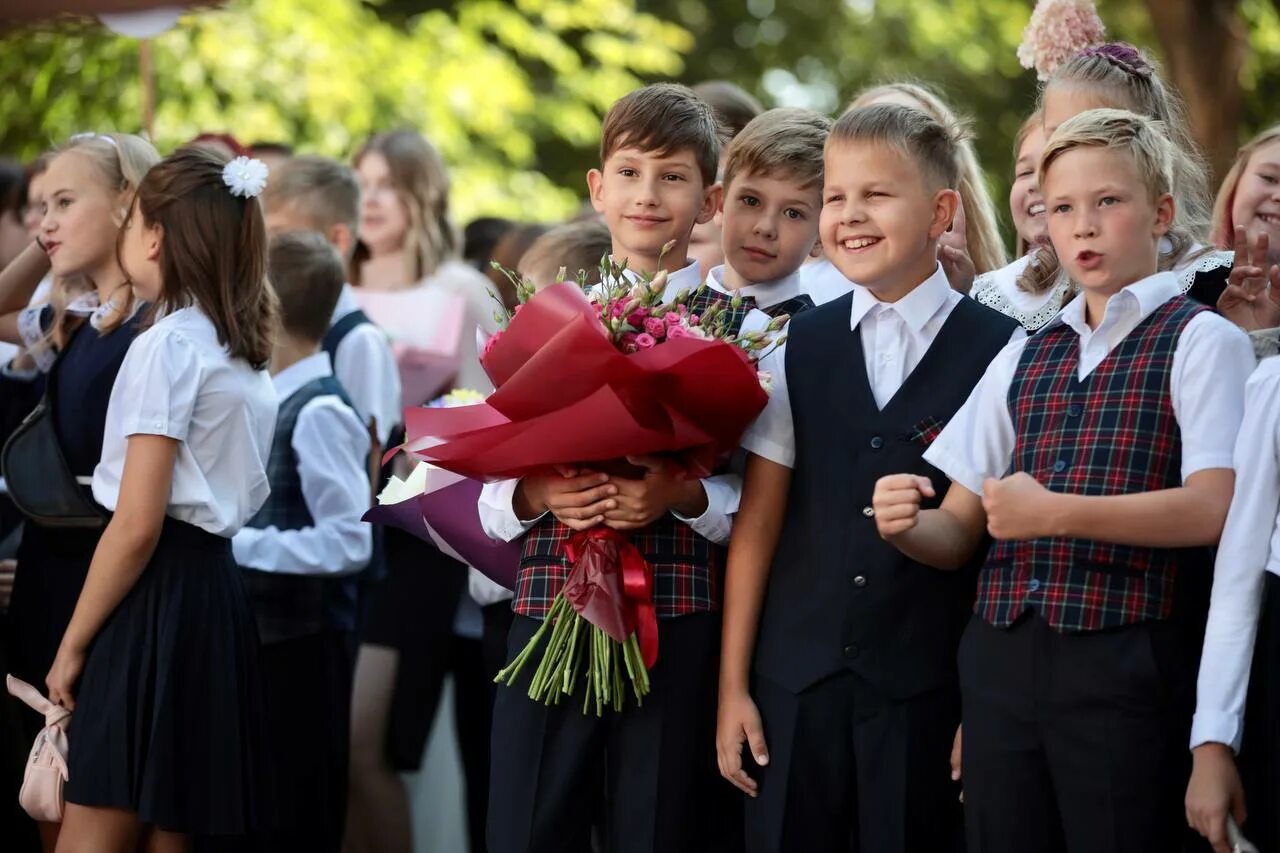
610,584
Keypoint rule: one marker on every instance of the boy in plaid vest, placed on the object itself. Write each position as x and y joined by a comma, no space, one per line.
1098,453
302,551
838,666
645,775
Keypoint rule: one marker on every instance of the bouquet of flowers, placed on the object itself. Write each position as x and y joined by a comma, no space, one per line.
591,376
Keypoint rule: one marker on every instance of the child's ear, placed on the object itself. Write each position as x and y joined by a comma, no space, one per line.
595,187
341,238
1166,208
945,204
816,250
153,240
712,199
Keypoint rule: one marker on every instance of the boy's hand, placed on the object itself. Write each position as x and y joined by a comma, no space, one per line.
1214,792
1248,301
580,499
896,502
664,488
738,722
1018,507
956,751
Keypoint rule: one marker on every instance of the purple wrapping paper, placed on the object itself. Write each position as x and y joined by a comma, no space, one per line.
449,519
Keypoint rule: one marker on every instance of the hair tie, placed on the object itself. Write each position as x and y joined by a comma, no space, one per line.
1057,31
76,137
1124,56
245,176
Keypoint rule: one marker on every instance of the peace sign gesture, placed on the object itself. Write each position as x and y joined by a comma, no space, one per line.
1252,297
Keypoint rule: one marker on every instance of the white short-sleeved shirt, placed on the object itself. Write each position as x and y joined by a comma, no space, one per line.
366,368
178,381
823,282
1211,362
1245,554
895,337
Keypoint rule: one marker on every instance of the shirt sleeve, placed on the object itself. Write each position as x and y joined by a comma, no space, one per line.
978,442
367,370
724,493
1211,365
772,434
160,381
1238,574
331,446
497,513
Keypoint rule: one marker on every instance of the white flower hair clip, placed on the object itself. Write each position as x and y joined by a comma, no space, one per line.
246,177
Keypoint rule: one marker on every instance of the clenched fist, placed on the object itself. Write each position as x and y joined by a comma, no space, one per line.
1017,507
897,503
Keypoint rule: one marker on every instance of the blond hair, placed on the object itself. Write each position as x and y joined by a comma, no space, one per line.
325,191
121,161
421,181
784,142
1141,138
982,223
933,147
1224,225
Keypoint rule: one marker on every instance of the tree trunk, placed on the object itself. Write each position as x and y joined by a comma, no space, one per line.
1204,46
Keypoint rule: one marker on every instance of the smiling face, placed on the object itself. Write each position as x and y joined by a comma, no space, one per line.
81,216
1026,204
770,225
384,217
880,222
649,199
1103,221
1256,204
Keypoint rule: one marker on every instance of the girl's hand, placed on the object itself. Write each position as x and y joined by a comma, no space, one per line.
63,676
1214,792
1252,297
957,747
958,267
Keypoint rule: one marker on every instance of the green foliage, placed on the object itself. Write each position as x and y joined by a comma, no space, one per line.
491,83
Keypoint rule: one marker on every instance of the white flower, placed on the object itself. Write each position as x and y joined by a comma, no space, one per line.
246,177
766,380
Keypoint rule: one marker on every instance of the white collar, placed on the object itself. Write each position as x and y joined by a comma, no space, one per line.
687,278
1144,295
288,381
916,308
765,293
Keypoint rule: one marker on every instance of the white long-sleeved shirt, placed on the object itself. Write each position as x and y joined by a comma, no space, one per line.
367,370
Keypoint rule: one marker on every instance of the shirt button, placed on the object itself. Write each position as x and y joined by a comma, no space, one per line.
1034,585
851,652
1059,466
877,442
1074,410
869,512
860,581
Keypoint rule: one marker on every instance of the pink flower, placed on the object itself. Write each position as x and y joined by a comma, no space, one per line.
1058,30
695,319
637,318
615,310
628,339
490,344
677,332
671,318
654,326
516,310
645,341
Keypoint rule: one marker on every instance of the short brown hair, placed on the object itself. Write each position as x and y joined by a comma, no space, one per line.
308,276
913,133
785,142
575,246
664,118
214,253
734,107
323,190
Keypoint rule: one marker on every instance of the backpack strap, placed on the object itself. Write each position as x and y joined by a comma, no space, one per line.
339,331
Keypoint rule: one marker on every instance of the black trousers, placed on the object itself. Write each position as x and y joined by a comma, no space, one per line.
853,770
1074,742
1260,750
646,776
307,683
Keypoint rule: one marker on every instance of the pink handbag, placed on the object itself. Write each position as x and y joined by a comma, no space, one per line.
46,771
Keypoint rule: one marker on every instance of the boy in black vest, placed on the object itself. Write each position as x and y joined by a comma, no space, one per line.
854,685
302,551
1117,421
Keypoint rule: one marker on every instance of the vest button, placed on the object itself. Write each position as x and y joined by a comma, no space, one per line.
877,442
851,652
1033,585
1059,466
860,580
869,512
1074,410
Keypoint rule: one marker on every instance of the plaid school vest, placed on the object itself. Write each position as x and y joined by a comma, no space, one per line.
1113,433
687,568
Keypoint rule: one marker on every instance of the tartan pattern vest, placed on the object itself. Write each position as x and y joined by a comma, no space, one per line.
705,297
687,568
290,606
1113,433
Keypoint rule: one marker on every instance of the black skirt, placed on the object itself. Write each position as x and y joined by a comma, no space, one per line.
170,721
